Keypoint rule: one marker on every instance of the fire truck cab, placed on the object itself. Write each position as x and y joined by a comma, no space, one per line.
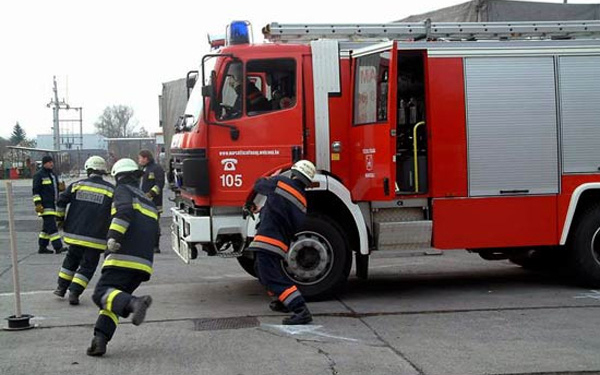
457,136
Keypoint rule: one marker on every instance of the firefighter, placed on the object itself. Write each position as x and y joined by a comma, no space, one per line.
45,193
152,184
280,219
85,228
128,262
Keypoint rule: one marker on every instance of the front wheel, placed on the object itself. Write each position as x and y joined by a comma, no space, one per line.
247,263
584,248
319,259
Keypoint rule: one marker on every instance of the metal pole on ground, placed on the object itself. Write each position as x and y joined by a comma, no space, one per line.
18,321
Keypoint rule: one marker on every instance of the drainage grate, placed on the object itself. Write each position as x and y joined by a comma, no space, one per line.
225,323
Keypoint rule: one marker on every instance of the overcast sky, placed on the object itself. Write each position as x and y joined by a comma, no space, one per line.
119,52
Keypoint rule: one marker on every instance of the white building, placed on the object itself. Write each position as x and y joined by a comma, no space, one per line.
71,142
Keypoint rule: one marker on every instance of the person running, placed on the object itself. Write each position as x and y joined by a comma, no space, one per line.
85,228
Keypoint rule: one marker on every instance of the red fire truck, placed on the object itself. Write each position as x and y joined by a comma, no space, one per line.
478,136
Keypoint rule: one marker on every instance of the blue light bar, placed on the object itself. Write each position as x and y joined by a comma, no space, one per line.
239,32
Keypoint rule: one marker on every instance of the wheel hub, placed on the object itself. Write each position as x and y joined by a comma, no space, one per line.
309,259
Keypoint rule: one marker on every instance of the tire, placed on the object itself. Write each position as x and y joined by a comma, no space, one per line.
247,264
319,259
584,248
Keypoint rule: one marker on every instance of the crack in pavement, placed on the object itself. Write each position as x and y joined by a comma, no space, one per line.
383,341
306,342
3,272
330,360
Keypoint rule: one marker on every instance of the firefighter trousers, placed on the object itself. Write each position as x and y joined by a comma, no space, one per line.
279,286
78,268
50,233
113,295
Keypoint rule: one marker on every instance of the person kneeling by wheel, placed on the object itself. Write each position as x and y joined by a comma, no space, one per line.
280,218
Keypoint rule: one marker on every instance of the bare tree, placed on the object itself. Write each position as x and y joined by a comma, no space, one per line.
142,133
115,122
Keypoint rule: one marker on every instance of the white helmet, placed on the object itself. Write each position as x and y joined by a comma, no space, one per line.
124,166
95,163
305,170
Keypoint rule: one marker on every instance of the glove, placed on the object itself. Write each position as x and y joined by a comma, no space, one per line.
248,210
61,186
149,195
112,245
39,208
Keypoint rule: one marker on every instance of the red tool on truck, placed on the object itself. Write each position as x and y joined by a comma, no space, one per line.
478,136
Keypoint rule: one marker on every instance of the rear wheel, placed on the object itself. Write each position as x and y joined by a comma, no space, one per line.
319,259
584,248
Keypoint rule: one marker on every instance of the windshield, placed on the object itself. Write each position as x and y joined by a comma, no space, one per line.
193,109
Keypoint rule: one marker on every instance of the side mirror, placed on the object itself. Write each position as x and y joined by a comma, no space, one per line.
207,91
190,81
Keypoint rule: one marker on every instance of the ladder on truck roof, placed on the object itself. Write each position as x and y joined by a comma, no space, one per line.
428,30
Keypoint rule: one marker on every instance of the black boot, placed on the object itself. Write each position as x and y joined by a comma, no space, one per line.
300,316
44,250
73,298
138,307
61,250
98,347
278,306
60,291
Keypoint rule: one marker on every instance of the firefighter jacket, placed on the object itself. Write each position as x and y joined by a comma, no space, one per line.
281,216
87,221
153,182
134,225
45,191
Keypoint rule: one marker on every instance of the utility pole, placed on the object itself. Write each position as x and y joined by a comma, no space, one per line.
56,105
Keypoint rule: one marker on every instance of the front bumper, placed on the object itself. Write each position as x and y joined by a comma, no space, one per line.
187,230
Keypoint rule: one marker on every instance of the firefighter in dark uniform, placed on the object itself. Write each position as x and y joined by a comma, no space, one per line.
128,262
152,184
85,228
280,219
46,188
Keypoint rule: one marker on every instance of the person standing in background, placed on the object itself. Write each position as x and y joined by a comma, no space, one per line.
152,184
45,193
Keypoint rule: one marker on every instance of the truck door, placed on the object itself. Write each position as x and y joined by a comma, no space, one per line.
264,107
373,127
